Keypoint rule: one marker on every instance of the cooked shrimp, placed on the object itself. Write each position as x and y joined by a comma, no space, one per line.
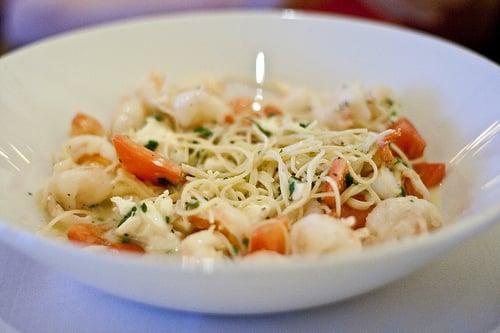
80,187
83,148
146,164
398,218
206,243
348,108
387,185
85,124
130,115
230,221
320,233
196,107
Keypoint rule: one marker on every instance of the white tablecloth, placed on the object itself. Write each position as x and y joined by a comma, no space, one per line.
459,292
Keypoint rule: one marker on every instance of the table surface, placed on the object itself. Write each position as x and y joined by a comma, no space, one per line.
459,292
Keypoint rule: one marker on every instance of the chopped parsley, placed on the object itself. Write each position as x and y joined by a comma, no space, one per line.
192,204
291,184
348,180
263,130
151,145
158,117
144,207
29,193
403,192
235,249
203,132
398,160
389,102
125,239
246,241
162,181
129,214
304,125
167,219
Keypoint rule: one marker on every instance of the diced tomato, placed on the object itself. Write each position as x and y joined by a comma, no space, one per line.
431,173
359,215
270,110
410,190
241,105
383,155
270,236
146,164
338,172
410,141
86,233
127,247
199,223
392,137
229,119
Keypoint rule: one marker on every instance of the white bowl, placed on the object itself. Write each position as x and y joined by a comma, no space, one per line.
451,93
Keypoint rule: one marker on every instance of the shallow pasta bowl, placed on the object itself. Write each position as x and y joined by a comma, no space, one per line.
451,93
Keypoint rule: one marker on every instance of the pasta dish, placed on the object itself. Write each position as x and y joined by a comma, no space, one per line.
222,167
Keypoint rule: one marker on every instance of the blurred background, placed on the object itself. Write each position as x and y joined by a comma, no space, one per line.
473,23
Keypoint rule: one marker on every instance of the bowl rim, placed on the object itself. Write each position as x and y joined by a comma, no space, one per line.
460,228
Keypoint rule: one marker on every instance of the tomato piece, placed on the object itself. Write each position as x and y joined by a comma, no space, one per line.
127,247
199,223
85,124
241,105
431,173
383,155
359,215
338,172
270,236
146,164
410,190
410,141
270,110
86,233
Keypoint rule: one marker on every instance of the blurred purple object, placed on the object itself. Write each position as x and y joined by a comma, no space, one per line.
29,20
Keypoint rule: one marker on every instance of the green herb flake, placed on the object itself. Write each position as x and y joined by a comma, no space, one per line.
125,239
129,214
263,130
192,204
151,145
29,193
167,219
144,207
304,125
246,242
389,102
158,117
348,180
398,160
203,132
235,250
403,192
291,184
162,181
